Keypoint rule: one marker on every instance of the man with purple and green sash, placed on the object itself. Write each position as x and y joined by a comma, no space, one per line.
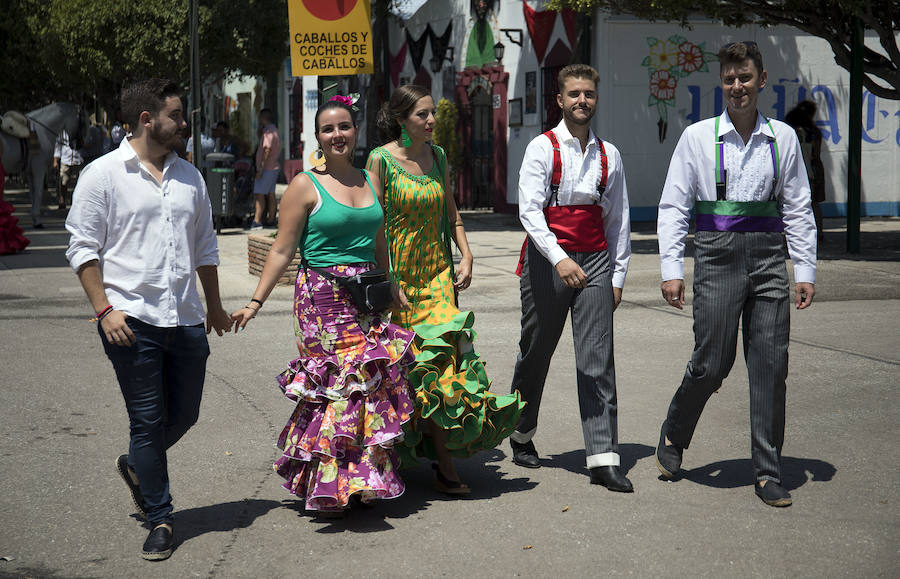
744,178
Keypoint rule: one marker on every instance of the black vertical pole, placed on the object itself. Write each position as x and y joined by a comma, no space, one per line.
196,100
385,51
854,163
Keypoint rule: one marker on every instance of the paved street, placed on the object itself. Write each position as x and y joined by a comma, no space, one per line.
65,513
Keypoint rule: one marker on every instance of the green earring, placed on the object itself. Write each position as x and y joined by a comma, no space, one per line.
404,137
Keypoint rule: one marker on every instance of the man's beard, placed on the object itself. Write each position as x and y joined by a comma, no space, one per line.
170,141
569,116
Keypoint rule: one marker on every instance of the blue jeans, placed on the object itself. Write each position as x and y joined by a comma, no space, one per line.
161,378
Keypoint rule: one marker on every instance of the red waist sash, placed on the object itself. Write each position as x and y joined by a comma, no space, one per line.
576,227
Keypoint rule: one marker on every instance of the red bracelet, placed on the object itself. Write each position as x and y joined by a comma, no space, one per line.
102,314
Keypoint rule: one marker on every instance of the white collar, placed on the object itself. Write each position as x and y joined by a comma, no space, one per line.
564,135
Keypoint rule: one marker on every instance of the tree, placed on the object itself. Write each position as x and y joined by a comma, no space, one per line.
832,20
73,48
446,135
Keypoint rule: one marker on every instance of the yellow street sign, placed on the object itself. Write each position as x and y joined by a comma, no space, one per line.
330,37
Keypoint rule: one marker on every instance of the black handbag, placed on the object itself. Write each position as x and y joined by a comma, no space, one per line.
370,290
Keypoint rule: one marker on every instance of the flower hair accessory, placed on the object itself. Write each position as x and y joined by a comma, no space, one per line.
349,100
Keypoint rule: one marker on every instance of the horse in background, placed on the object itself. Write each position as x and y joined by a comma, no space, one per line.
46,123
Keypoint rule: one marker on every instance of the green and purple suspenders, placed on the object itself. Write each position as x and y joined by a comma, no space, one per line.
722,215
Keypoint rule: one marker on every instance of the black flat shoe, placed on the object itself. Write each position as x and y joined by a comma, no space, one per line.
158,545
668,458
773,494
136,497
524,454
611,478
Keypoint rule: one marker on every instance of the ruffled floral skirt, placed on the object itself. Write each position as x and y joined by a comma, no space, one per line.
353,398
449,380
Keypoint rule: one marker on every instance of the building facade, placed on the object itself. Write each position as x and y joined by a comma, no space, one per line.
497,60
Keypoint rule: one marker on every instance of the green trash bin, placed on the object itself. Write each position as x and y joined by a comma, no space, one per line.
220,185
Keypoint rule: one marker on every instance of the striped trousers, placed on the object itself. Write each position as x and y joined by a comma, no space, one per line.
738,277
546,303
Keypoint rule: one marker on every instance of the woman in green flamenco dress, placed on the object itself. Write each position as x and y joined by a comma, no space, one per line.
456,416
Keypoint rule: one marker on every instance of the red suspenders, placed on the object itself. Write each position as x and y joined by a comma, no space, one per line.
556,175
577,227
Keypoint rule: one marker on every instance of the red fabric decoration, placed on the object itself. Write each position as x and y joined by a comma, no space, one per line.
540,27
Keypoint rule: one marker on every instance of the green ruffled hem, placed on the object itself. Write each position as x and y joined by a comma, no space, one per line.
460,403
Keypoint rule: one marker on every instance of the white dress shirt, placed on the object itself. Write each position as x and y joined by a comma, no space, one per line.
149,237
580,174
64,152
692,178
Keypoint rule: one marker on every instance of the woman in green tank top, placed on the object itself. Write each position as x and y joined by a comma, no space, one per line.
350,382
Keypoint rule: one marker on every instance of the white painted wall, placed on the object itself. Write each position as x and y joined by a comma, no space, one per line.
797,64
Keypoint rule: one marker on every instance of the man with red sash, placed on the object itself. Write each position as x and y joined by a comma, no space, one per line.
573,204
744,177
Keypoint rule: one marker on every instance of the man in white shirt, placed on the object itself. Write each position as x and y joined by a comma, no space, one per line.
141,226
744,177
573,204
207,146
69,161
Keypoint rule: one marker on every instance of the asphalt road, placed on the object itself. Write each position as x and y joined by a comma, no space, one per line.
65,513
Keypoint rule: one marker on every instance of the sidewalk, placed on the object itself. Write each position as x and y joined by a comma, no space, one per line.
66,514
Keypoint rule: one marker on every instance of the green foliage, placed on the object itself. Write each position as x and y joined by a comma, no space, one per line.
64,49
446,134
831,20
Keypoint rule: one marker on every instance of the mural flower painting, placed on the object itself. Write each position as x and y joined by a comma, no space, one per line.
669,60
662,85
690,57
663,54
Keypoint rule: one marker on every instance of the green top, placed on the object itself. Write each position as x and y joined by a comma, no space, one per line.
337,234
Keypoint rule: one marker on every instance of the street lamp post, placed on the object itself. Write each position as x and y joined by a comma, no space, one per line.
196,100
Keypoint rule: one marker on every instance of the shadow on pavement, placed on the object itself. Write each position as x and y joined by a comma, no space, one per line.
573,461
488,221
222,517
487,482
728,474
881,245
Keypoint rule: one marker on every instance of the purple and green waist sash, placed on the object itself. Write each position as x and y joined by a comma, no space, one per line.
738,216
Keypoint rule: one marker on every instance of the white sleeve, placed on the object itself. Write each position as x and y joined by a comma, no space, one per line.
88,216
617,220
796,210
206,248
675,206
534,189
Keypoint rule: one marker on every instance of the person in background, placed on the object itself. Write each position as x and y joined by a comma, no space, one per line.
69,162
94,143
12,238
207,146
226,142
267,166
802,119
118,130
